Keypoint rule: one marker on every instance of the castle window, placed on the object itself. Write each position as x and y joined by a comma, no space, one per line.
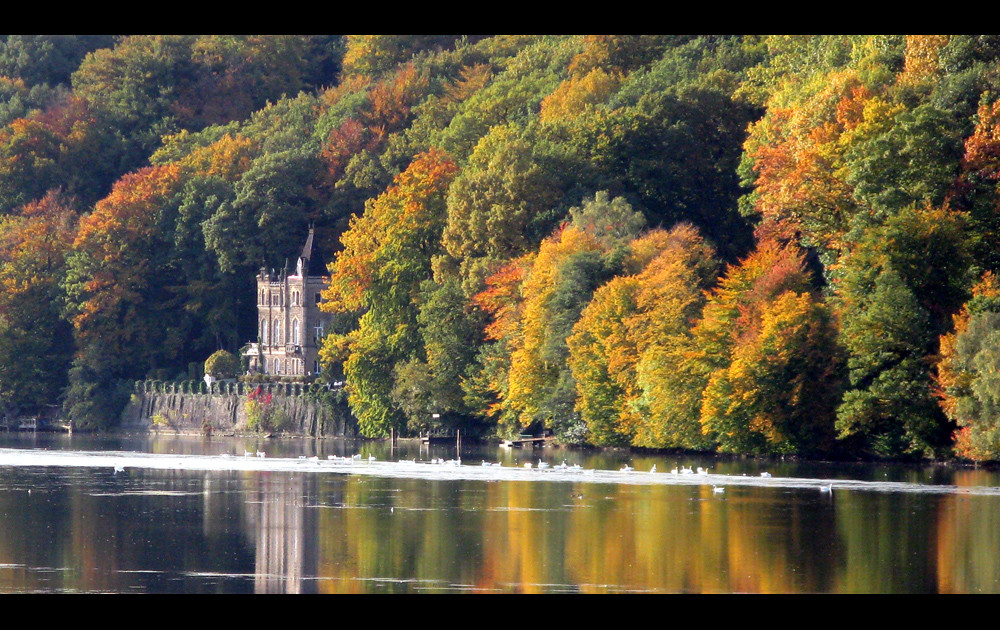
295,331
276,337
262,333
317,298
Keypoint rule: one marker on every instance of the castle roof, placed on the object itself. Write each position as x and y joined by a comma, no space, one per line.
311,264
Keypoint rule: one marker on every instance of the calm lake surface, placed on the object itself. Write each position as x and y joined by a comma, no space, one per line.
416,527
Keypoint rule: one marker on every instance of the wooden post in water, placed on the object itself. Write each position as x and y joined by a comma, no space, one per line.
458,444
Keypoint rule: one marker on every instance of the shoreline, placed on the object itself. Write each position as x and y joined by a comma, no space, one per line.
549,445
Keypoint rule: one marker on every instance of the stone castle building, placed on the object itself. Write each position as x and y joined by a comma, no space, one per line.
290,325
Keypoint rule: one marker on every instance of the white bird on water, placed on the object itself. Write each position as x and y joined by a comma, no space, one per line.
119,468
718,489
653,469
627,468
827,488
765,474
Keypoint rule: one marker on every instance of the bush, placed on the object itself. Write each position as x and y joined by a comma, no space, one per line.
222,364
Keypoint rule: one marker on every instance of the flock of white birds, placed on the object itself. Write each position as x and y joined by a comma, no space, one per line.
439,468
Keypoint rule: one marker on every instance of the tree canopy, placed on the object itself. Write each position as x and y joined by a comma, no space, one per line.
748,244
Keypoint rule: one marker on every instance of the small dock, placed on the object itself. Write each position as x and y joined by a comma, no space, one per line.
438,439
527,440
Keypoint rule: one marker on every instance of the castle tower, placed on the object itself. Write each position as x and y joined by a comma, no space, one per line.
290,324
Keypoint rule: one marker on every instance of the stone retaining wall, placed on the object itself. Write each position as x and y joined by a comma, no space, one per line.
226,413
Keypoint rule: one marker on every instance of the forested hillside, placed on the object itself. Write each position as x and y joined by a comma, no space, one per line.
741,244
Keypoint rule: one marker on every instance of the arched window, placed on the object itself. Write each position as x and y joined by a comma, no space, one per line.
262,333
295,331
276,336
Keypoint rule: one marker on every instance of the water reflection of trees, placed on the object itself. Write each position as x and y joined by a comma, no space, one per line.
297,533
968,538
403,535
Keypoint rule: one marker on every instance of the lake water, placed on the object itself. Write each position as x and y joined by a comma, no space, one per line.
193,515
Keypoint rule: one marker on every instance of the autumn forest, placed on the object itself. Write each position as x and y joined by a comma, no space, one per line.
734,244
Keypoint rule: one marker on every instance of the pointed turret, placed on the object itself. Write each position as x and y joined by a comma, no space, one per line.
308,263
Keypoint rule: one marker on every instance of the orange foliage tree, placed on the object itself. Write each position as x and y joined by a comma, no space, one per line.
766,347
36,343
966,383
119,282
386,256
629,320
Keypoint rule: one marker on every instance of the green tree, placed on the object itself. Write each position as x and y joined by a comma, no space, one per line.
889,398
498,204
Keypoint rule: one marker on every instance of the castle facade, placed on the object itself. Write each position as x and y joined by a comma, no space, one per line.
290,324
